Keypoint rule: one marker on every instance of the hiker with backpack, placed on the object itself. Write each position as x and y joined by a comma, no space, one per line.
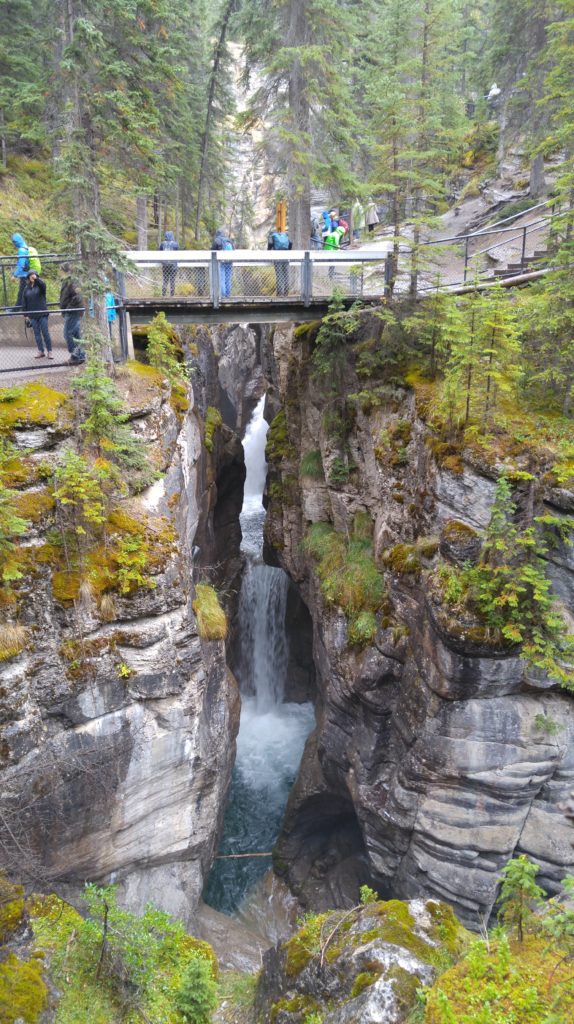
27,260
222,243
169,270
316,233
71,305
279,241
35,307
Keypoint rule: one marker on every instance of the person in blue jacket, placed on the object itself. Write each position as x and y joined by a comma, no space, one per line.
169,270
222,243
22,266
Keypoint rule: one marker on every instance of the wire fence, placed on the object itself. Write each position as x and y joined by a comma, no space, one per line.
19,349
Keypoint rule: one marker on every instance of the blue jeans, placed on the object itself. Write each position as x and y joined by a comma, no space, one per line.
41,333
225,279
72,335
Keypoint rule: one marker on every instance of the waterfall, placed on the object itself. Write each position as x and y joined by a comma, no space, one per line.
272,733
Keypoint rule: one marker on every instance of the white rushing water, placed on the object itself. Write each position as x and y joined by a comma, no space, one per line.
272,733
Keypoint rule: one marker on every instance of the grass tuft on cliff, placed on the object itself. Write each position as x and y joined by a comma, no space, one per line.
211,618
349,577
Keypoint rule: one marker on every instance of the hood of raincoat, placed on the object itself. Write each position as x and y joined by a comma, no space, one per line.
18,241
169,236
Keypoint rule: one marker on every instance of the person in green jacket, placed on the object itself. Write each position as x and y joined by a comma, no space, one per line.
331,241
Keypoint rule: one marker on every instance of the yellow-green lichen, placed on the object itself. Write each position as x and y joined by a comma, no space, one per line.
31,405
23,993
11,906
213,420
364,980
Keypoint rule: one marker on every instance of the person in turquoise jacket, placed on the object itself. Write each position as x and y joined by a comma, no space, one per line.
22,266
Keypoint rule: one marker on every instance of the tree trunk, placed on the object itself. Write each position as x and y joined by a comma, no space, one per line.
3,139
537,180
217,56
299,198
142,224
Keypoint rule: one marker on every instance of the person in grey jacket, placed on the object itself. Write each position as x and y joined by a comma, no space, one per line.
71,304
35,307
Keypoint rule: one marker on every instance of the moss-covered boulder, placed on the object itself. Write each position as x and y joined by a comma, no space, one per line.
361,966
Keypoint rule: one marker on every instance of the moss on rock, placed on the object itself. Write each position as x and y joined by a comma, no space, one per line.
30,405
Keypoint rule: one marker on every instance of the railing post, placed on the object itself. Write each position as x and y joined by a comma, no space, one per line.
307,279
465,258
4,289
388,275
214,288
523,254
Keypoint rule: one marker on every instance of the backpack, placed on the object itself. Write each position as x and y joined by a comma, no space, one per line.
33,259
280,240
227,245
343,224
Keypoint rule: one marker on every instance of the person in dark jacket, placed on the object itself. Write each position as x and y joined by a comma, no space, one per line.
279,241
169,270
71,304
35,307
222,242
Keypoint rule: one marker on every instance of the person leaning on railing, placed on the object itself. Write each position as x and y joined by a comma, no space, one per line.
35,307
71,305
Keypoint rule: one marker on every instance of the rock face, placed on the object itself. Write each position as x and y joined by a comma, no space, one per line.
118,736
436,757
362,966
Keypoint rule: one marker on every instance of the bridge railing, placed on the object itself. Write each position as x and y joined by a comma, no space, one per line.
245,276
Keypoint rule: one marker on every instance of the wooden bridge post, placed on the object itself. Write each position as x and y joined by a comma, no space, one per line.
465,258
214,289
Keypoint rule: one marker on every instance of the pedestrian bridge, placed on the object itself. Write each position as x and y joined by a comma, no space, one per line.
247,285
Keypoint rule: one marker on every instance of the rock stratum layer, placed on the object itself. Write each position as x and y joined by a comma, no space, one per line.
431,764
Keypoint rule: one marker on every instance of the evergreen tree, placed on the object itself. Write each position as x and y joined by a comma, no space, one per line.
297,48
519,893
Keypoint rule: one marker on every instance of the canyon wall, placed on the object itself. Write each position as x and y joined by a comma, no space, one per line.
118,719
437,756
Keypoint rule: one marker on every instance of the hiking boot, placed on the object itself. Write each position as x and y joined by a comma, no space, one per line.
41,355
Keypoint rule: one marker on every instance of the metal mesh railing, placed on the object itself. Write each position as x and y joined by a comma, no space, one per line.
214,279
19,350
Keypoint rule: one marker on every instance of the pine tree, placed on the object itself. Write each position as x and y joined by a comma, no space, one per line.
519,893
296,48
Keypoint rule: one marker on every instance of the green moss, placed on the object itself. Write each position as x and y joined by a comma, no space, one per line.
396,925
213,420
405,988
403,559
278,445
512,981
23,994
307,331
35,505
32,405
211,618
306,944
363,981
149,373
11,906
298,1005
446,928
456,531
178,400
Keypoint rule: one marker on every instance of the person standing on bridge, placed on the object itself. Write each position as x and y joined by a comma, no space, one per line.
71,304
222,243
279,241
22,266
35,307
168,270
